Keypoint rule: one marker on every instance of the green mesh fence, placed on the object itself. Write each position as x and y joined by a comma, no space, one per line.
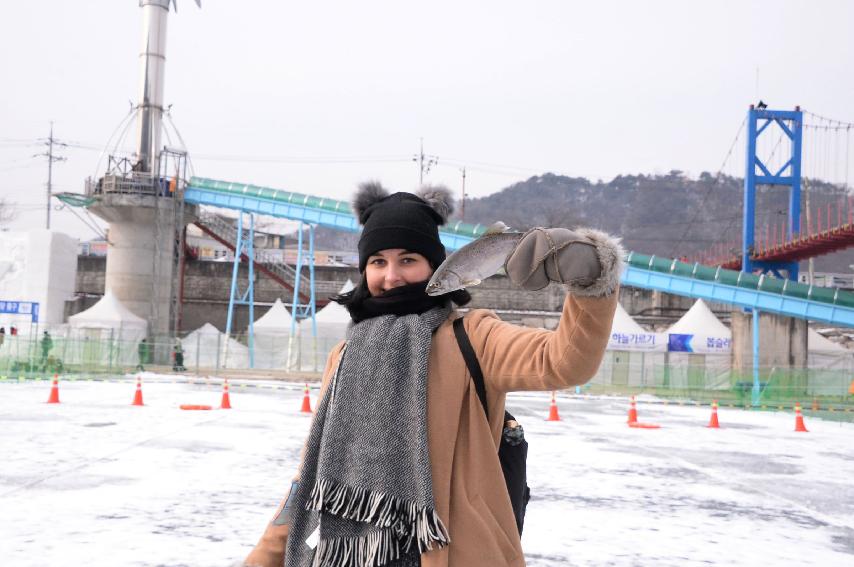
677,377
684,378
24,357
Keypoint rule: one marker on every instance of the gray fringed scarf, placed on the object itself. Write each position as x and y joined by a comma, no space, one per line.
366,477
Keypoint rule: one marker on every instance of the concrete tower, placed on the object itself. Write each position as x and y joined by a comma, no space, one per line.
141,197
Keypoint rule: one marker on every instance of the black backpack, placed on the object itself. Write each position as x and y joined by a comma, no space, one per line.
513,449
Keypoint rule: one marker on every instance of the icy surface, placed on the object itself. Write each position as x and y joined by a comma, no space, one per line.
95,481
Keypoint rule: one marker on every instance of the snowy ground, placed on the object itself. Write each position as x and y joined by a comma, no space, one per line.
96,482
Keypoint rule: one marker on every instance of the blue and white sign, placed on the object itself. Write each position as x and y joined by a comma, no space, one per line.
28,308
636,341
679,343
700,344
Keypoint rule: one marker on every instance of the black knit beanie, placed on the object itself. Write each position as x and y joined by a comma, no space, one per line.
402,220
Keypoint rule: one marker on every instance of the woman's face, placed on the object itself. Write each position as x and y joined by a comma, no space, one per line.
395,267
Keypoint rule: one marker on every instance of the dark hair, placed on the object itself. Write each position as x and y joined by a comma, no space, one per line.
353,299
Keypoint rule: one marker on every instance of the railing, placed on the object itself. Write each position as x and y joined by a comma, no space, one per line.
135,184
228,232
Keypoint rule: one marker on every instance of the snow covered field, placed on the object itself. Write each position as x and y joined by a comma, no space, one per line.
96,482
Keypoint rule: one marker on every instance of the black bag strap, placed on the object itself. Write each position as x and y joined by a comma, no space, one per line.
471,362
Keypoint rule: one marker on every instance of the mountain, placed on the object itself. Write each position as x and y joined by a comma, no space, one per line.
671,215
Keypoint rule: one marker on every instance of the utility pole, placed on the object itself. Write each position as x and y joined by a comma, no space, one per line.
50,142
425,162
463,202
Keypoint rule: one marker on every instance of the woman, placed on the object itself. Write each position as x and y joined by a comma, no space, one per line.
400,468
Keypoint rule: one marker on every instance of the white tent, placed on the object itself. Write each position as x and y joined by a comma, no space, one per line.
206,347
699,331
109,313
831,366
106,333
276,320
272,331
626,334
633,354
700,350
332,322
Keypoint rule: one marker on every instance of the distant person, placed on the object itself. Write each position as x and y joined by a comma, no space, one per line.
178,357
13,330
47,344
142,350
2,335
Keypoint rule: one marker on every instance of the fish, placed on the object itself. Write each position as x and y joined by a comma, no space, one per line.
475,261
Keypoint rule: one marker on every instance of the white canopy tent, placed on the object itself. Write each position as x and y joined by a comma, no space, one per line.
831,366
106,333
700,331
272,331
626,334
700,350
332,322
633,353
207,347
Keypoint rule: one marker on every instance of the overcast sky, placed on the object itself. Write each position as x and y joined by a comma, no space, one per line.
326,94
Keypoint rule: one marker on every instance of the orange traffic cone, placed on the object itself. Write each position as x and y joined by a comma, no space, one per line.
713,422
226,400
54,391
137,397
553,415
799,419
306,401
633,412
815,404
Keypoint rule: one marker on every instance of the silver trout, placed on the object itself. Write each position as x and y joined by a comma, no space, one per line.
475,261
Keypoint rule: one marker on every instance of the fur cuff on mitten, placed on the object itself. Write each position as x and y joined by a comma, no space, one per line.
588,262
611,259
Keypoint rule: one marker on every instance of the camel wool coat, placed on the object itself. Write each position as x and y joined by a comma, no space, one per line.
468,484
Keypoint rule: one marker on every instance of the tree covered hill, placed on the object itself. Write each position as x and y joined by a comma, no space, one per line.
671,215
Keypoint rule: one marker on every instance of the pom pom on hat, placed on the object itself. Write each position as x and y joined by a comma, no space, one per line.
439,198
369,193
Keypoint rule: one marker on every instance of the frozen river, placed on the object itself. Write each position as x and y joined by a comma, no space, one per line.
95,481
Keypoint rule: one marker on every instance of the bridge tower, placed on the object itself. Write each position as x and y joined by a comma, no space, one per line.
790,122
141,197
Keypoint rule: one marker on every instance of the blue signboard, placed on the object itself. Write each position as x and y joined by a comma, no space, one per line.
29,308
679,343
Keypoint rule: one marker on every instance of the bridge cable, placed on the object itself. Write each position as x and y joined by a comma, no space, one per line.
714,182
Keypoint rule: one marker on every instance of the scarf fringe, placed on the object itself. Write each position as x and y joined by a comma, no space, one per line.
399,522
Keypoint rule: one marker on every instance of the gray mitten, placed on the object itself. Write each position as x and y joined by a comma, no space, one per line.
589,262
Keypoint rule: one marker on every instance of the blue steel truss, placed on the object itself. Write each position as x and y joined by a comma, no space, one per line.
633,276
757,173
245,245
739,296
339,221
308,310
